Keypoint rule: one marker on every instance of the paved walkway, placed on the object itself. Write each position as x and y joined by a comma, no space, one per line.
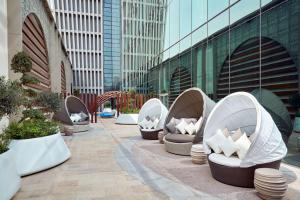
91,173
112,162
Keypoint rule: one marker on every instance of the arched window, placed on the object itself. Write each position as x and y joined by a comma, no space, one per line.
278,70
34,45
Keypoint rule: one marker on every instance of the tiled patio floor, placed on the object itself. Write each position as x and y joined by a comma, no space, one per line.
112,162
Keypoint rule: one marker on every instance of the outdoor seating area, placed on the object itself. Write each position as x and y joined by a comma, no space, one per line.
192,108
73,114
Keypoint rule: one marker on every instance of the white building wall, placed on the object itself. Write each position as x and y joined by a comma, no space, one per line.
80,24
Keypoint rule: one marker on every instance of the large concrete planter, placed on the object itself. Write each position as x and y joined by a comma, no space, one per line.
127,119
37,154
10,180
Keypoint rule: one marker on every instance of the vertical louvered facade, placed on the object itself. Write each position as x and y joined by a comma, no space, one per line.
80,24
143,25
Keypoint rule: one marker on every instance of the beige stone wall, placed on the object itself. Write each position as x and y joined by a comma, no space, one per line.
17,10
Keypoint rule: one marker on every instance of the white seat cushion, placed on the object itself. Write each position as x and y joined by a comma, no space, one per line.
181,126
243,144
190,129
198,124
221,159
143,123
215,141
228,146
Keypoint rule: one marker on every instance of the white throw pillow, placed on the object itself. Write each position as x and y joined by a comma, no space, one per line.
155,123
143,123
181,126
215,141
198,124
190,129
149,125
228,146
75,117
226,132
236,134
243,144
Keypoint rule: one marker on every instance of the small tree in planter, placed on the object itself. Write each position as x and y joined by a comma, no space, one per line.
10,100
294,101
36,140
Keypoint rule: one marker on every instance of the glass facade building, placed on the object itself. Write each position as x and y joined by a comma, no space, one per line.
112,45
143,26
225,46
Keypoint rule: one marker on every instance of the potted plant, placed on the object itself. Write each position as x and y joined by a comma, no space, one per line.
35,139
294,101
10,99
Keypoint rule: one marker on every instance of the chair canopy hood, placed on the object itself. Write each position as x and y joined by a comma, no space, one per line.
277,110
242,110
70,105
192,103
154,108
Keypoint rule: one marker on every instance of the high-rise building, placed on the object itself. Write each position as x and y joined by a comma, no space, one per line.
80,24
143,25
112,44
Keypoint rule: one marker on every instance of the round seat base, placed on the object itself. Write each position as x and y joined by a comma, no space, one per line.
237,176
183,149
150,135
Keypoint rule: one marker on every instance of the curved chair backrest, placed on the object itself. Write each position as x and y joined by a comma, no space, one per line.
192,103
242,110
71,104
154,108
280,114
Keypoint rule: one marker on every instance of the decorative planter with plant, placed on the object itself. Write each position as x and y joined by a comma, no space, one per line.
294,101
129,113
10,98
35,140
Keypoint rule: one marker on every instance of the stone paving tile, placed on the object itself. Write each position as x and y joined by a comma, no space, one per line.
91,173
112,162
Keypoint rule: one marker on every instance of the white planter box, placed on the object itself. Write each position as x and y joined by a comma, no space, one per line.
37,154
127,119
10,181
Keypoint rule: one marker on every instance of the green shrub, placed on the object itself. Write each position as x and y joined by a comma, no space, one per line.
107,104
33,114
21,63
27,79
49,101
130,110
10,96
3,144
76,92
31,129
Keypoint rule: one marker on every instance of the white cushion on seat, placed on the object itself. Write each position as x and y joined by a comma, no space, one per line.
215,141
198,124
228,146
143,123
243,144
190,129
181,126
221,159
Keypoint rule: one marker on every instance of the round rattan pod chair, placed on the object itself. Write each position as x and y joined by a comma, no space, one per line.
153,108
70,105
242,110
192,103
